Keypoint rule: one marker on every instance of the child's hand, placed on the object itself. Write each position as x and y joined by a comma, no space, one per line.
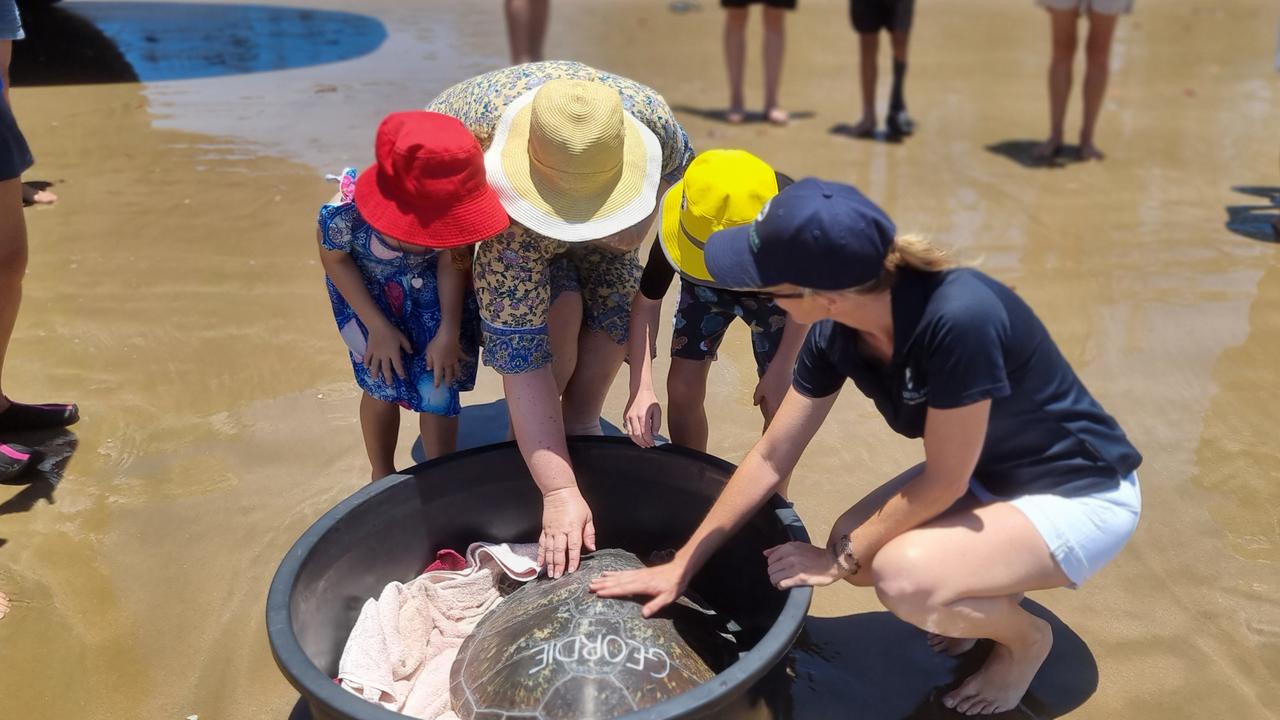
644,418
444,357
773,386
383,356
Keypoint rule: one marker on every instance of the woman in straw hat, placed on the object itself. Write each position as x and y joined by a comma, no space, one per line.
721,188
1027,483
578,158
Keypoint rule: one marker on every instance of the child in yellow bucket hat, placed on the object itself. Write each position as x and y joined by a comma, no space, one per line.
721,188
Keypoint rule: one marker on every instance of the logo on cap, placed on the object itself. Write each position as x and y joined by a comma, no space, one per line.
764,209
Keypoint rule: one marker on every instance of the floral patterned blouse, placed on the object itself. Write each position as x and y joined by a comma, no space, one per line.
513,270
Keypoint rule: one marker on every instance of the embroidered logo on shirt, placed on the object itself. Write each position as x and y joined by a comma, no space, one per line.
912,395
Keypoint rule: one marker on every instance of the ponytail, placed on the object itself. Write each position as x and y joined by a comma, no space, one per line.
909,251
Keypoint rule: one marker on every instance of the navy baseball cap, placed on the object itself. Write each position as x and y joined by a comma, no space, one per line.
815,234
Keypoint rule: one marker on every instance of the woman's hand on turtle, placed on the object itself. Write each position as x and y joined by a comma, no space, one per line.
643,419
795,564
384,352
663,584
566,530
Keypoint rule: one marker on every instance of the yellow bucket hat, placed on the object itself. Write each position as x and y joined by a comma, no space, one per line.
568,162
720,189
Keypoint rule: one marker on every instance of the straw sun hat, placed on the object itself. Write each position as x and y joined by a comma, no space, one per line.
569,163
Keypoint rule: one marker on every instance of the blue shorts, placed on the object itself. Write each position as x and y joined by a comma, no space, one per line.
15,156
10,21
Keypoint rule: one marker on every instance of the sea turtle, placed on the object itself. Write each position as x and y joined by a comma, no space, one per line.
553,650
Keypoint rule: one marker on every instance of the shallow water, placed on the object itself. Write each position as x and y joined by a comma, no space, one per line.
174,292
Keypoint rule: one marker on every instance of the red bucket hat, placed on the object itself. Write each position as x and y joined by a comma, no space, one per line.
428,185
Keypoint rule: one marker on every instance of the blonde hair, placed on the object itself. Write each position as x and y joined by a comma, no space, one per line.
909,251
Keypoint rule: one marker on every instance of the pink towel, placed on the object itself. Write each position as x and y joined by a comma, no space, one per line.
447,560
403,644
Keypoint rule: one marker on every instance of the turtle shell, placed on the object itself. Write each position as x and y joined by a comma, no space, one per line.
553,650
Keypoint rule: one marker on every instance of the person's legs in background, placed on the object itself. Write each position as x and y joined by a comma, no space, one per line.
526,28
13,266
6,57
15,157
774,47
1097,45
735,58
1063,29
868,48
30,194
899,123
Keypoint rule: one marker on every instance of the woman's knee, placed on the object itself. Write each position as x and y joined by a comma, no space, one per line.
903,579
735,18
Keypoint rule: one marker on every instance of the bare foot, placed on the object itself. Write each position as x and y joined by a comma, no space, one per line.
1047,150
1003,679
951,646
4,605
1089,151
32,195
777,116
735,115
866,127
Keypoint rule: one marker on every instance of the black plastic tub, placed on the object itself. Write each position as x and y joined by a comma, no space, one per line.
642,500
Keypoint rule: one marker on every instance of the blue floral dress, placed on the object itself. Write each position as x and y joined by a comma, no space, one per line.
403,285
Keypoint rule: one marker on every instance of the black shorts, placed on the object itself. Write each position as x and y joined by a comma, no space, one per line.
784,4
704,313
15,156
871,16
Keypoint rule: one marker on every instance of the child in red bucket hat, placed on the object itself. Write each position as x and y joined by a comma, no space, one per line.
394,244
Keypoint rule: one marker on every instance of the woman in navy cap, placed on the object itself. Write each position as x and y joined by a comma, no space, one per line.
1027,482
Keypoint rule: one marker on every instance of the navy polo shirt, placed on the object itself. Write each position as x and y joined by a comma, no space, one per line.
960,337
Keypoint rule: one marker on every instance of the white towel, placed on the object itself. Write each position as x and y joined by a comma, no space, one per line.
402,647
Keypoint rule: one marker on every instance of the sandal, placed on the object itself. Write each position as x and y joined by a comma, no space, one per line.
20,417
16,460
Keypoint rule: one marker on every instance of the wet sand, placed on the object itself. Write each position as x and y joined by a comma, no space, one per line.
175,293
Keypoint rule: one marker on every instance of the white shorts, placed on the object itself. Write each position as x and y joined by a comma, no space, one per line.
1083,532
1105,7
